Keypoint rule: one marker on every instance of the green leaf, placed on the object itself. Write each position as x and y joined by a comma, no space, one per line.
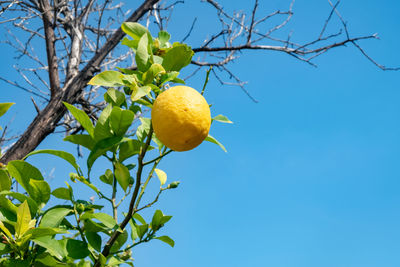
108,78
211,139
140,92
156,220
158,142
138,217
177,57
142,54
84,140
122,175
121,120
143,129
5,230
162,176
30,179
114,97
168,77
44,231
106,219
128,149
5,181
166,239
23,219
221,118
77,249
142,230
4,107
121,240
81,117
152,72
62,154
33,206
134,29
164,37
54,217
107,177
53,246
94,240
62,193
100,148
130,43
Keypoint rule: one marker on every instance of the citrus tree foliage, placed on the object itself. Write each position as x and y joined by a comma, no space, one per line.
76,232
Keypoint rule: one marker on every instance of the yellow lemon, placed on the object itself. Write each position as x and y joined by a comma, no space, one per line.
181,118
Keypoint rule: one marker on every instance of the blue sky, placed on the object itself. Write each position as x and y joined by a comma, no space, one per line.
311,176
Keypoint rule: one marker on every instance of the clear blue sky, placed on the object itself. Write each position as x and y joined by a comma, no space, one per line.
311,177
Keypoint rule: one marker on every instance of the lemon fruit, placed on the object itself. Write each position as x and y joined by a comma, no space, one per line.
181,118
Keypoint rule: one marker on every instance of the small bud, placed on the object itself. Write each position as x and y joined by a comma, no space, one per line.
173,184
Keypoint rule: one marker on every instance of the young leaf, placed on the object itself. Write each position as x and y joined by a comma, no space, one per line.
44,231
166,239
140,92
152,72
81,117
162,176
108,78
5,230
138,217
107,177
62,154
164,37
4,107
134,29
211,139
221,118
23,219
177,57
122,175
142,55
33,206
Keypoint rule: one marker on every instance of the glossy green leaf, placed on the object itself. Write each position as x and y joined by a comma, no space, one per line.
5,230
142,54
77,249
4,107
122,175
30,179
129,148
108,78
130,43
106,219
44,231
166,239
23,219
143,129
53,246
221,118
138,217
5,181
211,139
140,92
142,230
33,206
152,72
121,240
114,97
155,221
84,140
62,154
54,217
121,120
94,240
162,176
81,117
107,177
134,29
62,193
168,77
179,56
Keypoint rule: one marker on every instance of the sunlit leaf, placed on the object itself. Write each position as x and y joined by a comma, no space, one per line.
221,118
108,78
122,175
166,239
162,176
81,117
179,56
211,139
62,154
4,107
